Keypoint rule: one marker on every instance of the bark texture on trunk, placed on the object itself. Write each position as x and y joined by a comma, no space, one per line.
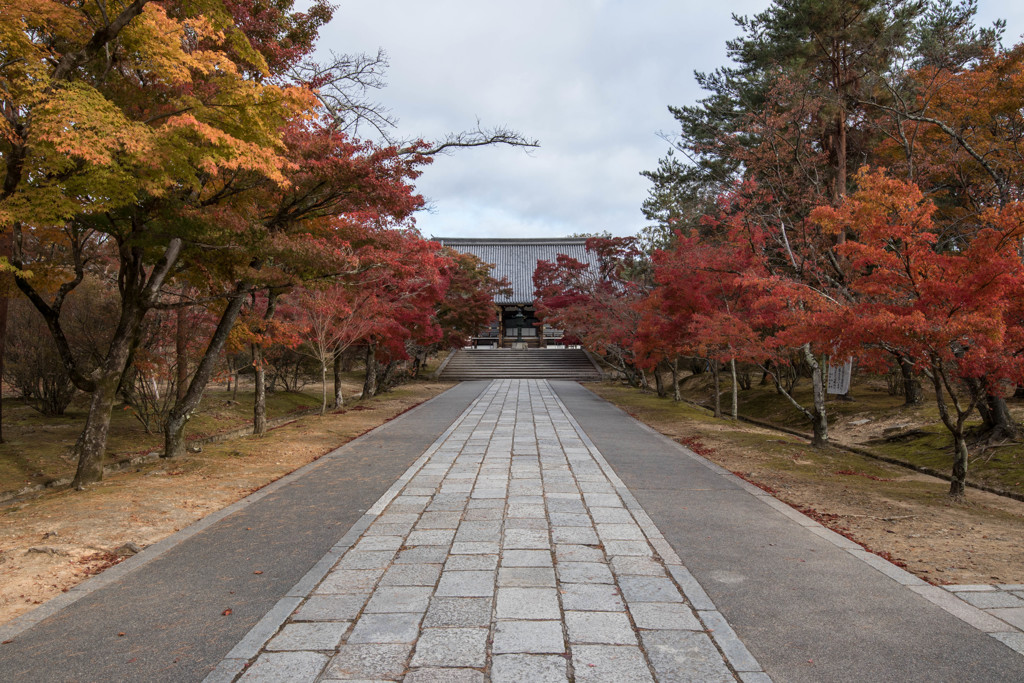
92,442
998,420
819,418
958,481
181,352
676,395
370,379
338,399
3,344
735,390
659,382
259,402
954,423
912,392
174,431
716,375
323,388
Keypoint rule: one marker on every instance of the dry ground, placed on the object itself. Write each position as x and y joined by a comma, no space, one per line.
51,543
901,515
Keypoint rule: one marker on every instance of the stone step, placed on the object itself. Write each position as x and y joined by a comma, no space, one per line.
571,364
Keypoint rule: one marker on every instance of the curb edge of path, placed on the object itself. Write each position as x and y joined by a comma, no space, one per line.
946,600
51,607
234,662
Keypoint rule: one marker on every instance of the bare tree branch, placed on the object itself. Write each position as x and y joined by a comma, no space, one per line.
343,84
478,137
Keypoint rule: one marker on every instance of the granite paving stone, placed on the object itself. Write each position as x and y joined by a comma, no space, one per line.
584,572
573,534
466,584
401,627
685,656
280,666
526,558
508,556
526,577
578,553
471,562
628,565
527,603
368,662
400,599
610,628
649,589
411,575
610,664
664,615
350,580
526,539
309,636
532,668
331,607
451,647
444,675
431,537
537,637
370,559
598,597
422,554
448,612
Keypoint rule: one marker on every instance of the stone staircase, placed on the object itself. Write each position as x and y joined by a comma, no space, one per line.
572,364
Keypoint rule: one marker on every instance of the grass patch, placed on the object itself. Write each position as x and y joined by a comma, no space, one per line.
911,434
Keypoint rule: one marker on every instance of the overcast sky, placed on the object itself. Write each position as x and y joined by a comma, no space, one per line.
590,79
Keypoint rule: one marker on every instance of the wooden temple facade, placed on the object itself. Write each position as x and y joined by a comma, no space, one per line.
515,323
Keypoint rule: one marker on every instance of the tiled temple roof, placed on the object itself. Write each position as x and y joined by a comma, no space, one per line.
516,259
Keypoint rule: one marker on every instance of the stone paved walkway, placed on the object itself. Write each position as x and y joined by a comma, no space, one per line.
510,551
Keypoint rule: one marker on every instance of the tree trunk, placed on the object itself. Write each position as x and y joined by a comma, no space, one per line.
735,390
659,382
259,403
912,393
174,431
323,387
999,423
370,379
716,376
4,301
181,352
958,482
840,189
676,396
819,421
338,401
92,442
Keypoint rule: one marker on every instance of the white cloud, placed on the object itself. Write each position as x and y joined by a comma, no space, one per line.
591,79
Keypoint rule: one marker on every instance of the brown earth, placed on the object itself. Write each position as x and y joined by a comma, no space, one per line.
903,516
50,543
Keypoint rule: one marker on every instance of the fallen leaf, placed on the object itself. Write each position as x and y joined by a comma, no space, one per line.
257,572
226,612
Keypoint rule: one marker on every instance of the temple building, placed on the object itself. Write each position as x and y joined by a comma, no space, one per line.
515,324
